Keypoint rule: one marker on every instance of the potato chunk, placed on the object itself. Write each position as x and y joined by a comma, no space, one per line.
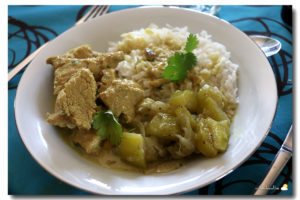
132,149
220,133
163,125
211,109
185,98
212,137
148,108
185,118
204,140
209,91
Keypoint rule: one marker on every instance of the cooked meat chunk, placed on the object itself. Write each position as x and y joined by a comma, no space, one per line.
88,140
74,63
110,59
62,75
83,51
108,76
73,56
84,57
60,119
95,65
75,103
103,60
122,96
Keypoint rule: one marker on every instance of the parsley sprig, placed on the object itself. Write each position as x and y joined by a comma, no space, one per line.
107,127
181,62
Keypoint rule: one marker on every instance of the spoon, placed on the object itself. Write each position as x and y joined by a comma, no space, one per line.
269,46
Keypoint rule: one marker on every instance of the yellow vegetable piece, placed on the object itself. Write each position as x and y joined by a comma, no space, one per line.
209,91
184,117
150,107
220,133
212,136
185,98
132,149
204,140
163,125
211,109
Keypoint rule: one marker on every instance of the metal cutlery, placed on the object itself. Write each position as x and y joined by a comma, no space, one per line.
280,160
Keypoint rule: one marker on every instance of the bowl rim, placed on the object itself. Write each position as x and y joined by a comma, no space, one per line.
165,193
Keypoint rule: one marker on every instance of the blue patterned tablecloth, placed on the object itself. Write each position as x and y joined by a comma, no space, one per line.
31,26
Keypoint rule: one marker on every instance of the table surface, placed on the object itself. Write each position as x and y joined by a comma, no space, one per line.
31,26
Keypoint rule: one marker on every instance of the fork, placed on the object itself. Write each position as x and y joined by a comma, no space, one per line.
92,13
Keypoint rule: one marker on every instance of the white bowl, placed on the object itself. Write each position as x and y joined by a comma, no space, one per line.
257,93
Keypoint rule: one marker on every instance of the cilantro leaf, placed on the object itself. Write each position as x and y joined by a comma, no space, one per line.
175,71
181,62
107,127
192,43
190,60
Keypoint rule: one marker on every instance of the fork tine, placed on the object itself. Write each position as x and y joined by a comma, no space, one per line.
87,15
99,8
105,10
101,11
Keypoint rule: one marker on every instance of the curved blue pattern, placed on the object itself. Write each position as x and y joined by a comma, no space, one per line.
31,26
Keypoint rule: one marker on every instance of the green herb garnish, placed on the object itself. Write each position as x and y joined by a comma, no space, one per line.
181,62
192,43
107,127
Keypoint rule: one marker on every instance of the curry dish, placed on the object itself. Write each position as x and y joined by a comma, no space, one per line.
120,109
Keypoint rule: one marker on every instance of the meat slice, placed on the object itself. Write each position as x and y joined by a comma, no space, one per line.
107,78
62,75
60,119
101,61
83,51
110,59
88,140
122,96
75,103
